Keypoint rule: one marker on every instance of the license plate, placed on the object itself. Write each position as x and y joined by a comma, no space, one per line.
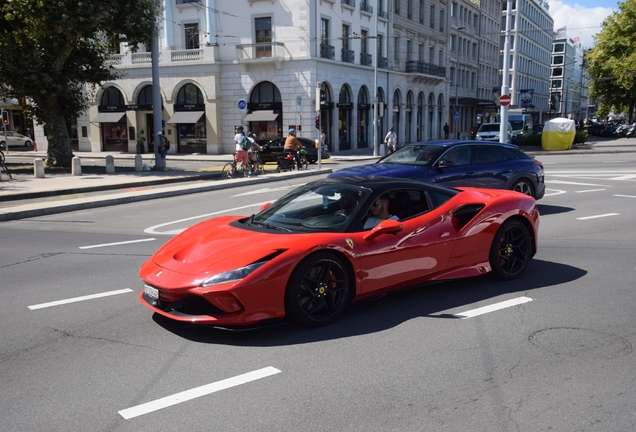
151,292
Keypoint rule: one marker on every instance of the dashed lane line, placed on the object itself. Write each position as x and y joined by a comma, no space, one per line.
491,308
78,299
197,392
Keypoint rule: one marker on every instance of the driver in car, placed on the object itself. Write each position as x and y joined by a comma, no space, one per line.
380,212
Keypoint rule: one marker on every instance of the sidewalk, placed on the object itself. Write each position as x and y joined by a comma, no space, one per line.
29,196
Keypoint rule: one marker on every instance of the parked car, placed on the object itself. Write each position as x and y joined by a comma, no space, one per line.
490,132
14,139
274,148
537,129
307,255
460,163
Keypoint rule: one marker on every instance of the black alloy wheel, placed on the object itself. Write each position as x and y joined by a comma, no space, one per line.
318,290
524,186
510,251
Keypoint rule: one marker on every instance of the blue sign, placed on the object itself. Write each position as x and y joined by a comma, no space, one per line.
456,116
242,104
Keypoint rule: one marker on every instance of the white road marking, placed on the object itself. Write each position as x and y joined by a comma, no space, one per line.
554,192
117,244
598,216
551,182
153,229
265,190
624,196
78,299
624,177
495,307
591,190
194,393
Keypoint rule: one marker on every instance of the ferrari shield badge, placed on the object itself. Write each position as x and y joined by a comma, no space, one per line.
349,243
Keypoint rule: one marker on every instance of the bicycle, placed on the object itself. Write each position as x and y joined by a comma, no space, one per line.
233,170
3,166
256,166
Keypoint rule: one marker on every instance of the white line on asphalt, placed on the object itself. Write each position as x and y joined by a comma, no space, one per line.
117,244
591,190
624,177
495,307
153,229
598,216
551,182
78,299
187,395
625,196
265,190
554,192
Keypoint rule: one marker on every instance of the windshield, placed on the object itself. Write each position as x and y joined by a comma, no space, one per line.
313,208
424,155
516,124
490,127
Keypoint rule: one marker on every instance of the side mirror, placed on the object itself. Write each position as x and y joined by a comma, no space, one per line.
387,226
445,164
264,206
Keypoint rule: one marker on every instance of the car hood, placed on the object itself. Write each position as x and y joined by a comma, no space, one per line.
216,246
386,170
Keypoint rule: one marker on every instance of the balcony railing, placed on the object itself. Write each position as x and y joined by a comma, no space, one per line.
327,51
351,3
364,7
383,62
366,59
143,58
261,50
383,14
425,68
183,2
186,55
347,55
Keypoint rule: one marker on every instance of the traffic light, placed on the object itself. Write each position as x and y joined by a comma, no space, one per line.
5,117
317,122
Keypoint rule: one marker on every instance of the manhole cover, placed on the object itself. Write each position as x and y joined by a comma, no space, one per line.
579,342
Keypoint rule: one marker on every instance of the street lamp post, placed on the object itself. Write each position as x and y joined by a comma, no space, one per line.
375,88
456,113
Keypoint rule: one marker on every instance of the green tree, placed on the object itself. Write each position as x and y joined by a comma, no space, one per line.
56,52
612,61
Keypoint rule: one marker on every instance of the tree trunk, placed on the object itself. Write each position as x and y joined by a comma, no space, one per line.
59,152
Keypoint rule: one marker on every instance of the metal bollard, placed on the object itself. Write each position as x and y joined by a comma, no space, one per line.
138,163
38,168
76,167
110,164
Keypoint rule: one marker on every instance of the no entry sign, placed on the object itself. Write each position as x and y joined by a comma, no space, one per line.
504,100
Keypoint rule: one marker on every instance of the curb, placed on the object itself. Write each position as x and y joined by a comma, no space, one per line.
43,209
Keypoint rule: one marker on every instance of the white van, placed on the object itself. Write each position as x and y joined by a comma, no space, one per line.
490,132
521,126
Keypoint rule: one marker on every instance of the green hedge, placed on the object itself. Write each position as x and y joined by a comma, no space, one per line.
580,137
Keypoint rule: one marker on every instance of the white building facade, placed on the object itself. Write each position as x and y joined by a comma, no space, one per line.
274,55
530,53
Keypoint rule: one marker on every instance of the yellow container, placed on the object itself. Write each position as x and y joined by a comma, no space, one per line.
558,134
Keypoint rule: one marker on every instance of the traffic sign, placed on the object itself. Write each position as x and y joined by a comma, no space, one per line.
504,100
456,116
242,104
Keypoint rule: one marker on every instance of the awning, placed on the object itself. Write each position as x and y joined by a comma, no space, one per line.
265,115
108,117
186,117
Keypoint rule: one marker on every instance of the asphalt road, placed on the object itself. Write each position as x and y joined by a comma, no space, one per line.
562,360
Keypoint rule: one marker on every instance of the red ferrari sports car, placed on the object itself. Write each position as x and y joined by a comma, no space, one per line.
308,254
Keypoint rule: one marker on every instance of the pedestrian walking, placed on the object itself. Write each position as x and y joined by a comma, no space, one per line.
391,141
446,131
163,150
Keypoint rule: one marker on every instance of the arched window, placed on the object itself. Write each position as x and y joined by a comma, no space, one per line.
363,117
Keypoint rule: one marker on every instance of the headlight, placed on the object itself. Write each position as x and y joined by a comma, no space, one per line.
232,275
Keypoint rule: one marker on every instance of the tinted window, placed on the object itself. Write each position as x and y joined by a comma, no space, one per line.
512,153
458,155
487,154
438,198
